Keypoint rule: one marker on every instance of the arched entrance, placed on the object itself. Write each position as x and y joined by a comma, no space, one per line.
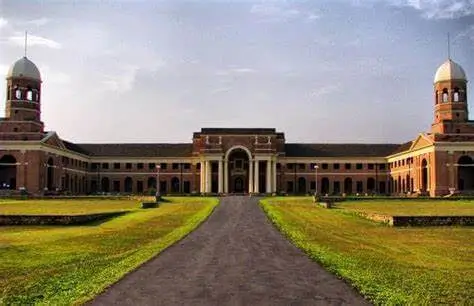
8,172
348,185
465,173
301,185
50,174
424,175
324,185
238,173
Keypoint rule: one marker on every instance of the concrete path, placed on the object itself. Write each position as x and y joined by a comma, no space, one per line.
236,257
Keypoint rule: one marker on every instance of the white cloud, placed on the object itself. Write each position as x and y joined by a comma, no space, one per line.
324,90
438,9
123,81
39,22
3,22
52,76
34,41
273,12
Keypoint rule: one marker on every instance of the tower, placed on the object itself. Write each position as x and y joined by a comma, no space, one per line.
450,92
23,106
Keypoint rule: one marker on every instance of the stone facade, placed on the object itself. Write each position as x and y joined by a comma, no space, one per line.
235,160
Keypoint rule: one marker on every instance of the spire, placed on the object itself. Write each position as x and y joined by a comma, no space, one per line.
26,41
449,47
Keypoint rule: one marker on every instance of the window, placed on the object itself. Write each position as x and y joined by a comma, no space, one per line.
151,166
289,167
140,166
95,166
187,166
456,95
458,131
289,186
104,165
358,166
325,166
347,166
139,186
335,166
163,166
370,166
128,165
382,166
239,164
445,95
175,166
301,166
278,166
116,165
198,166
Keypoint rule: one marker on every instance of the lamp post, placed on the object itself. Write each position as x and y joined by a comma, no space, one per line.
315,167
157,195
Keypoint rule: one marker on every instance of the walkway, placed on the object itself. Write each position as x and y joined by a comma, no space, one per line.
236,257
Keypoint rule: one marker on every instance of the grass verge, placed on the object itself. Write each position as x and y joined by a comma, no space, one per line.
390,266
51,265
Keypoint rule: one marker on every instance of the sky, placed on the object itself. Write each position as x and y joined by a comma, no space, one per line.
325,71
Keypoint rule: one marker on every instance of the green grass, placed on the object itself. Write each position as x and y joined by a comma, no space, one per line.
390,266
410,208
54,265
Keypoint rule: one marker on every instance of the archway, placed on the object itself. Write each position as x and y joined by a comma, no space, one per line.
105,184
128,185
301,185
8,172
424,175
348,185
465,173
370,184
175,185
324,185
238,174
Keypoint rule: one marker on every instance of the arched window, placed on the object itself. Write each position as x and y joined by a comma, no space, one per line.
175,185
456,95
445,95
128,184
29,94
18,94
436,97
151,183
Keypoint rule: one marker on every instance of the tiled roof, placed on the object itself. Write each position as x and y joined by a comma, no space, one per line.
402,148
74,147
339,150
135,149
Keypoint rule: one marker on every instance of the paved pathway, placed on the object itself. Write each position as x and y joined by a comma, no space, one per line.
236,257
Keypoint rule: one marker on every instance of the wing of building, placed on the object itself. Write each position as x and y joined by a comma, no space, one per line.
235,160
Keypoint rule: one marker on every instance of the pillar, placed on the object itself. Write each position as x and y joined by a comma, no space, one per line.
220,187
208,176
274,176
226,176
268,177
256,188
202,177
251,176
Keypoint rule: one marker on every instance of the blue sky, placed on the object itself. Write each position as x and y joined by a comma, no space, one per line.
157,71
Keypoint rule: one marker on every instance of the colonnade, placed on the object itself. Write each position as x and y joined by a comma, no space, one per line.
223,175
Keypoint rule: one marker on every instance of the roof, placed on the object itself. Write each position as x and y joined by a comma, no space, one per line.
402,148
133,149
449,70
339,150
238,131
24,68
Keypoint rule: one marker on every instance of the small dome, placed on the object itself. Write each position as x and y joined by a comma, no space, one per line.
450,70
24,68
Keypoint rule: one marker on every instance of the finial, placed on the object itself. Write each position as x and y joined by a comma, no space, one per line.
449,48
26,41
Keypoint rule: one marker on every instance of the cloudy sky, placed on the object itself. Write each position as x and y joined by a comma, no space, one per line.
157,71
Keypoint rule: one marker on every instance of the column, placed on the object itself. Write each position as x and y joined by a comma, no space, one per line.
256,188
269,176
202,177
220,187
208,176
226,176
251,176
274,176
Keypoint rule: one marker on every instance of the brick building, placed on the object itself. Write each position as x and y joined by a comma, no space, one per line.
236,160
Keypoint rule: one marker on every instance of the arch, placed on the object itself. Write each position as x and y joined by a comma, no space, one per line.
445,95
18,94
175,185
29,94
105,184
436,97
324,185
301,185
465,173
50,174
128,184
456,95
226,157
424,175
347,185
370,184
409,187
151,183
8,165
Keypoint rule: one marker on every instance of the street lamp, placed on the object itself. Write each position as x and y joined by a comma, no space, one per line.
315,167
157,195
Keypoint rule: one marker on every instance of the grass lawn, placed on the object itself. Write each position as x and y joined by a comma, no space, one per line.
70,265
410,208
388,265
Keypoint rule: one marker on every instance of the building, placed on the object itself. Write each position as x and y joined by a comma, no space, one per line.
236,160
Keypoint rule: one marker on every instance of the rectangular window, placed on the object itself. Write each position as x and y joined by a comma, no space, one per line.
335,166
187,166
347,166
163,166
116,165
301,166
239,164
95,166
151,166
128,165
140,166
370,166
198,166
358,166
175,166
289,166
116,186
382,166
325,166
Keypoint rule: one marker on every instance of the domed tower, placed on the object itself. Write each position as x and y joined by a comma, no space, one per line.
450,111
23,105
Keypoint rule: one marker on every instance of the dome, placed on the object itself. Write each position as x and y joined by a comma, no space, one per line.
450,70
24,68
